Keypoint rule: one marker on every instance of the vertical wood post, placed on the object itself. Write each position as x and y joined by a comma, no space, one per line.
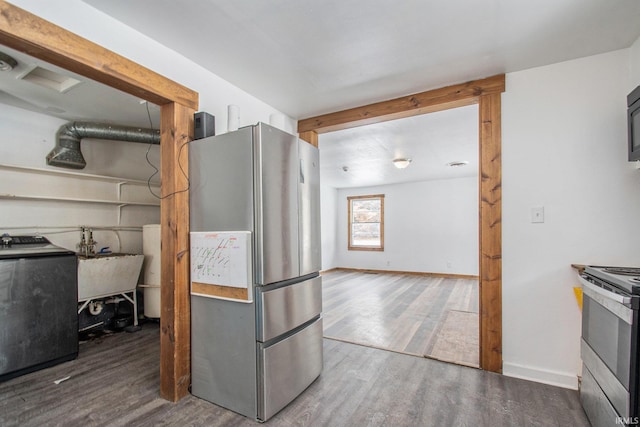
490,233
310,136
175,320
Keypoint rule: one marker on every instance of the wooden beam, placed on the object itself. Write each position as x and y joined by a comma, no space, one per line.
486,93
41,39
311,137
490,233
420,103
175,319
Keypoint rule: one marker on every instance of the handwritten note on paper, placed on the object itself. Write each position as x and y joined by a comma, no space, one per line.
221,258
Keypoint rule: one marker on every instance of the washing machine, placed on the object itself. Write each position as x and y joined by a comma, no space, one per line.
38,305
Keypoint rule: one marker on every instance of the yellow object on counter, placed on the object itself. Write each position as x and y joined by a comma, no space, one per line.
578,292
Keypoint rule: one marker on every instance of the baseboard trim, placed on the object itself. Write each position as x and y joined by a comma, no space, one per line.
544,376
414,273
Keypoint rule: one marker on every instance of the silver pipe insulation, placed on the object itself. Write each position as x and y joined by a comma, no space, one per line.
67,153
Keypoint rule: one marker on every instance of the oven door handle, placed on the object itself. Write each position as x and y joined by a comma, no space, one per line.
618,305
605,293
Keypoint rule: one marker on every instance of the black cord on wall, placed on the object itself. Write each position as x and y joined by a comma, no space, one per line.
158,171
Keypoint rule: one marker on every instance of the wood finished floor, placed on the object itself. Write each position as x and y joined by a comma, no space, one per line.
115,382
420,315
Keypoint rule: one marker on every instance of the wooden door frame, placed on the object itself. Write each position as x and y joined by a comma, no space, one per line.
486,93
25,32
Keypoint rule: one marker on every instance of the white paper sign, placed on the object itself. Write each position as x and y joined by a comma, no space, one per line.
221,258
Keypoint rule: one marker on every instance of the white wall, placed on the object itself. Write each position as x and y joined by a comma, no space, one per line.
564,147
429,226
27,139
329,226
634,65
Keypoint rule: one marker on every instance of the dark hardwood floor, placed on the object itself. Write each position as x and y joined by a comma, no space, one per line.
115,382
420,315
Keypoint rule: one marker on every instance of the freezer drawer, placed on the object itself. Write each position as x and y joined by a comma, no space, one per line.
223,354
283,309
288,368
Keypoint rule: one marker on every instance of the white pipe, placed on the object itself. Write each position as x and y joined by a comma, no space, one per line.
95,307
90,326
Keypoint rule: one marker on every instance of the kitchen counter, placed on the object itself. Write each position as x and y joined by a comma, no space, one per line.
579,267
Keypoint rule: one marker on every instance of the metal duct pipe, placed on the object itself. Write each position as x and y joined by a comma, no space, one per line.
67,154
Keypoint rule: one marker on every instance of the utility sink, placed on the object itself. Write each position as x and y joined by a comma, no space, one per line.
103,275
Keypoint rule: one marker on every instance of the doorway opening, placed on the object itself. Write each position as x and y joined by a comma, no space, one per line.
486,93
417,293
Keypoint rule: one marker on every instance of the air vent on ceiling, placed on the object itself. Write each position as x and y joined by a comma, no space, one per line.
458,163
50,79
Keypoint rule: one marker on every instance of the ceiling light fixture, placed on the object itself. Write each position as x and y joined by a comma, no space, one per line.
458,163
401,163
7,63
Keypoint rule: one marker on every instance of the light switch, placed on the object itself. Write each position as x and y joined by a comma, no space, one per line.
537,214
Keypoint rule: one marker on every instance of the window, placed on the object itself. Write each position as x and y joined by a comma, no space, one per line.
366,222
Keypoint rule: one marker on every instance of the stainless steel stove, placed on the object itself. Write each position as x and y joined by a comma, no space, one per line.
610,345
626,279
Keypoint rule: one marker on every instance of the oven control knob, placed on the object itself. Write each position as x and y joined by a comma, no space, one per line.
6,240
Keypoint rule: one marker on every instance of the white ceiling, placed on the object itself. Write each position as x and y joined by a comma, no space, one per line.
86,101
430,140
309,57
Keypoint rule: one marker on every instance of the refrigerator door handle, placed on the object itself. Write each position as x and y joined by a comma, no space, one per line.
302,171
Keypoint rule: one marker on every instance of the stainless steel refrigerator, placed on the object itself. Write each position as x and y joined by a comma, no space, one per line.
256,352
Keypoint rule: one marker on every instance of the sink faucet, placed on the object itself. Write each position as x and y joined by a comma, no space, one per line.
87,245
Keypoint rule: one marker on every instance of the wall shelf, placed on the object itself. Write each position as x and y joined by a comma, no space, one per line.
106,190
43,171
120,203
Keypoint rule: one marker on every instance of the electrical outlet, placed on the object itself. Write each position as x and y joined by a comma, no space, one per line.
537,214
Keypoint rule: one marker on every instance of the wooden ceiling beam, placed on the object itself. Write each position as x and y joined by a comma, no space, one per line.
454,96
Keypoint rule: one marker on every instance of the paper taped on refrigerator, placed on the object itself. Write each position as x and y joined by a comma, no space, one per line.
221,258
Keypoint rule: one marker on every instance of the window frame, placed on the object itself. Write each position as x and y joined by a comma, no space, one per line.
350,245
